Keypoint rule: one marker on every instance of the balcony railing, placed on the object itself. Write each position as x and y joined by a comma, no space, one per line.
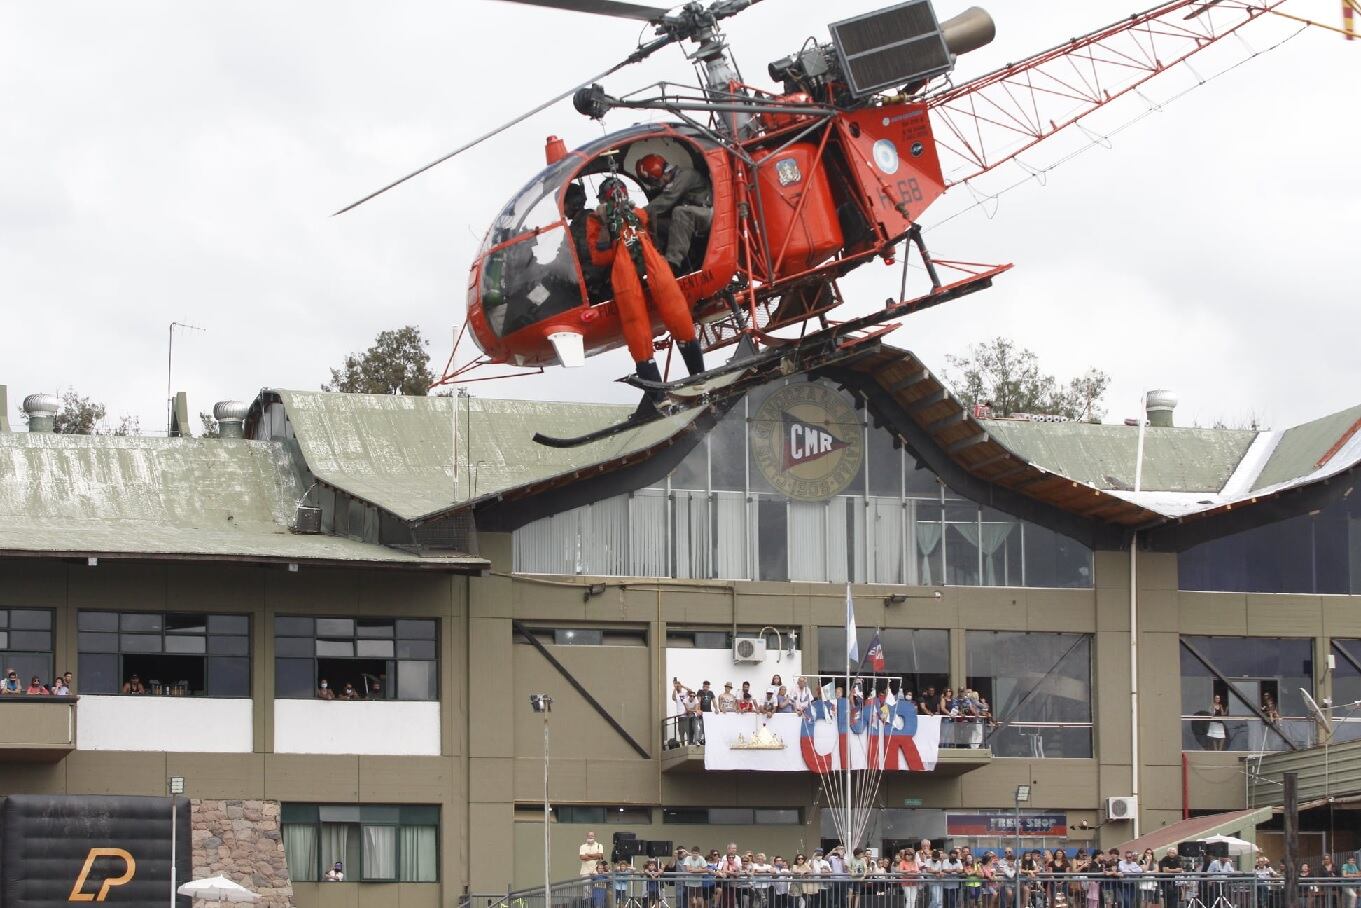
37,728
1245,734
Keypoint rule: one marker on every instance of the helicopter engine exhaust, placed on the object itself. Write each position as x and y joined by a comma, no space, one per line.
968,31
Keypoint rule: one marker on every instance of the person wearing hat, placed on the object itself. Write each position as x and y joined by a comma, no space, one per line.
726,702
619,241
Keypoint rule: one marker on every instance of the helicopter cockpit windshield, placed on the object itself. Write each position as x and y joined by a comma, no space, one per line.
534,274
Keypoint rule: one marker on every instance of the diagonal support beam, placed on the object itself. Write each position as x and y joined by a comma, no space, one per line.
576,685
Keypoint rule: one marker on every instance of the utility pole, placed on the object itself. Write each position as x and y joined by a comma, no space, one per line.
169,370
1292,839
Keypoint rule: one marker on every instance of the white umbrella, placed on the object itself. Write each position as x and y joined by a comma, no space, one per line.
1236,846
218,889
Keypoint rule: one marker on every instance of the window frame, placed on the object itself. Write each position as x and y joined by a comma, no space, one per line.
7,652
392,694
207,655
378,819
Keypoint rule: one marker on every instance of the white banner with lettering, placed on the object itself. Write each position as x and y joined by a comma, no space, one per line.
898,741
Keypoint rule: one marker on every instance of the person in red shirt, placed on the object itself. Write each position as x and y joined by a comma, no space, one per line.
616,227
36,687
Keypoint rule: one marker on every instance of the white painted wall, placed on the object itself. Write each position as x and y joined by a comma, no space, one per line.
389,727
695,666
173,724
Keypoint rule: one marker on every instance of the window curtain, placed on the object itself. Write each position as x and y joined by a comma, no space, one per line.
335,846
730,520
604,534
647,534
928,538
300,850
811,546
380,852
419,855
988,539
888,540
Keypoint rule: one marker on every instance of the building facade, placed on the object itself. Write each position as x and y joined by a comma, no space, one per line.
455,568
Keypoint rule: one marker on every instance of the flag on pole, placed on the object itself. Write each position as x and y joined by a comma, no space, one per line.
875,654
852,644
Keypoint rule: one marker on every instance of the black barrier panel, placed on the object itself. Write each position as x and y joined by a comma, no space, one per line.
56,851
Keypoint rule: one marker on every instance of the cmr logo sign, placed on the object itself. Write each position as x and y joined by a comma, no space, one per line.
128,871
807,441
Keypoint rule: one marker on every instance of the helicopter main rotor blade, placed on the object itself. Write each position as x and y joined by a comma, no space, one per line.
643,51
616,8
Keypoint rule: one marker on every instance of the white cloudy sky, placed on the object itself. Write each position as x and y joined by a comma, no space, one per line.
178,160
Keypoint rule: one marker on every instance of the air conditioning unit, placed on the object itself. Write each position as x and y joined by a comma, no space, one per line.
749,649
1120,809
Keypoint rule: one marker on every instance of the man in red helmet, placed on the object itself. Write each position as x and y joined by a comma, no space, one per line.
618,238
681,204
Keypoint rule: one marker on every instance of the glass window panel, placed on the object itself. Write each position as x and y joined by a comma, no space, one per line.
576,637
339,813
4,640
335,648
228,677
772,539
335,627
727,444
693,471
419,815
416,681
1041,742
292,677
228,624
885,464
294,646
1031,677
377,649
30,619
140,643
294,627
374,627
186,623
140,621
961,554
179,644
40,641
231,646
629,816
419,854
1054,560
96,621
380,852
415,649
411,629
920,482
4,618
98,674
96,643
730,816
29,664
300,851
778,817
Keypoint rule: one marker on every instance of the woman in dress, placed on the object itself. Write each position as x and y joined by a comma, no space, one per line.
1215,729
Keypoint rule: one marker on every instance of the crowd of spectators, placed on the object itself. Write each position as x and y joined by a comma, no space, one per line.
927,877
967,707
11,684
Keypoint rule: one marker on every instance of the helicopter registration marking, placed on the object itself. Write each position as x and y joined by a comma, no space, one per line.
886,156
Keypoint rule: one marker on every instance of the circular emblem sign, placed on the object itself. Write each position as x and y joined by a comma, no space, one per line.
806,441
886,156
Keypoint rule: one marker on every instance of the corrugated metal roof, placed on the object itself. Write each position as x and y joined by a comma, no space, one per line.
1175,459
168,496
398,452
1300,449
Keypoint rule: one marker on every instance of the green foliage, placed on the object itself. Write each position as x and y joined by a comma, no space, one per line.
78,415
1009,379
397,363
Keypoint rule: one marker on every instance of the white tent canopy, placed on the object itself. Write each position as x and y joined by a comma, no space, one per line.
218,889
1236,846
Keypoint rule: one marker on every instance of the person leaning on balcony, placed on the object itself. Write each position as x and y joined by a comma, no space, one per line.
324,691
348,693
133,685
1350,871
802,696
590,853
336,874
36,688
726,702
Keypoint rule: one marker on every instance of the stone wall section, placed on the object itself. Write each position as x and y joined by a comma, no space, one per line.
242,841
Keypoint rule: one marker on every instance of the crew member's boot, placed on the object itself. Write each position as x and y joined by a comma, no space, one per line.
693,357
648,371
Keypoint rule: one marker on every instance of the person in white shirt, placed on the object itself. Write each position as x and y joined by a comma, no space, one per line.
802,697
760,884
680,712
589,853
815,889
1005,874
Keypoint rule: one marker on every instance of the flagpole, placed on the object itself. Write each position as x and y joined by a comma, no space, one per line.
846,766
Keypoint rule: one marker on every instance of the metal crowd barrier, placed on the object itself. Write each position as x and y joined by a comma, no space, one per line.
1089,890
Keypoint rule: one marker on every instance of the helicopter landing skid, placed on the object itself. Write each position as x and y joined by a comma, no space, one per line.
834,345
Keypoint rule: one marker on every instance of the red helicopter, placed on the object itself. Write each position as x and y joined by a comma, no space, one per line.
810,181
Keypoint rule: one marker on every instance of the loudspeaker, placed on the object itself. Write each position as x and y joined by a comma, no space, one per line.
1217,849
659,849
1193,849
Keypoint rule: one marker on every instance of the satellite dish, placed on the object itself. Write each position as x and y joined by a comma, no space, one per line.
1319,715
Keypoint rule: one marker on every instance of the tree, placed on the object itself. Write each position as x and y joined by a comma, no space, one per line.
1008,378
397,363
210,427
78,415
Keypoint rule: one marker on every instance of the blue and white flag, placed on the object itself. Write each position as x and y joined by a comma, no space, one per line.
852,644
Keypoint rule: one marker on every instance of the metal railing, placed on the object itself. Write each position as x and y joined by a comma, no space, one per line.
1245,734
706,889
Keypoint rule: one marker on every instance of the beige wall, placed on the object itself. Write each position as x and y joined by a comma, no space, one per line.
492,744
